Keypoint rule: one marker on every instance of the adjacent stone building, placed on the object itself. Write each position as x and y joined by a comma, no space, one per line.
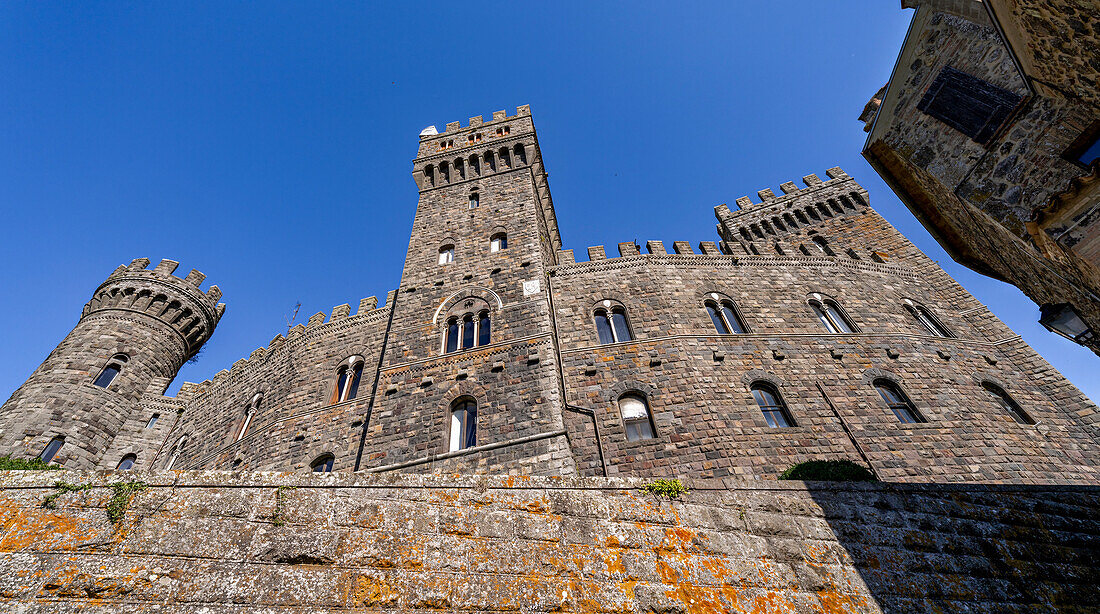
810,330
988,131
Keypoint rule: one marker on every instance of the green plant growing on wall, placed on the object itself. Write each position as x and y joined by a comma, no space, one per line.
50,502
670,489
8,463
122,494
828,471
277,516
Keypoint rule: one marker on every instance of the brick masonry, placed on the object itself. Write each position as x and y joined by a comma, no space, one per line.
547,391
275,542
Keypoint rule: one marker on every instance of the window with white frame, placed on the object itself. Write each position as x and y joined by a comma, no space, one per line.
637,421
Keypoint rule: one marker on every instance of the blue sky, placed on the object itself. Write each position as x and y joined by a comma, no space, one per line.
269,144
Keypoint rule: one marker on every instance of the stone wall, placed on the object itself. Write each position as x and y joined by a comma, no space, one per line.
217,542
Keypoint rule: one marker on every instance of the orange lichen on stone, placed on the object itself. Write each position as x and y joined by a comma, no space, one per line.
369,591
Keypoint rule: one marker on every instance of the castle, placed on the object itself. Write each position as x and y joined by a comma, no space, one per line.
810,330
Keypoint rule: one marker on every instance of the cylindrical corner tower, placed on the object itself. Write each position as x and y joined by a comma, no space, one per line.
133,336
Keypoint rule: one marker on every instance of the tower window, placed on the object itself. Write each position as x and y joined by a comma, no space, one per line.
127,462
152,421
460,169
832,316
772,405
898,402
505,158
968,104
475,165
463,424
475,200
444,172
348,376
50,451
322,464
447,254
467,331
612,327
636,417
520,153
111,370
176,451
927,320
498,242
249,414
1007,403
724,317
490,161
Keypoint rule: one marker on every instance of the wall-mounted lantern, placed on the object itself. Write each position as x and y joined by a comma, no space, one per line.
1064,320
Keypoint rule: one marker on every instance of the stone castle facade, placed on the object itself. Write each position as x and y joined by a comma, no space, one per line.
811,329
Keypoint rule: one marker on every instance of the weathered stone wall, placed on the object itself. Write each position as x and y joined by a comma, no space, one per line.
231,542
697,381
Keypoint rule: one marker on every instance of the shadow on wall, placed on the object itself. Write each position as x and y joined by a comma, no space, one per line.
962,547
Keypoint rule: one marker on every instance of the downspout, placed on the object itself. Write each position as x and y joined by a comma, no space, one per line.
377,376
561,376
847,431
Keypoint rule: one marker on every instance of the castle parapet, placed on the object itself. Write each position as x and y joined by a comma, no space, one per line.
159,293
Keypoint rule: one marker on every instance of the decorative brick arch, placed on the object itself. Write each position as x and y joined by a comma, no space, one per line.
760,375
491,299
874,373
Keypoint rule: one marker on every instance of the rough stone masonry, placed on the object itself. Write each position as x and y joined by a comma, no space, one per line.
490,357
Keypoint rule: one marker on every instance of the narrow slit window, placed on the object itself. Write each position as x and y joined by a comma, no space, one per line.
463,425
772,405
637,420
452,336
152,421
467,332
483,329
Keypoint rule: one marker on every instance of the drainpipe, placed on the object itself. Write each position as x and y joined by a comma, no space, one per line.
377,376
847,431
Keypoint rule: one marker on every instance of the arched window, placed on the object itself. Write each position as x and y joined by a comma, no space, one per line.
612,327
771,405
463,424
520,153
429,175
897,401
348,376
475,165
249,414
451,343
467,331
111,370
322,464
490,161
1007,403
822,245
127,462
460,169
475,199
637,420
832,316
176,451
444,172
724,317
51,449
498,242
447,254
484,328
927,320
505,158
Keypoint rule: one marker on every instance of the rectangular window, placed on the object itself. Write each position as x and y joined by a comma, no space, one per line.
968,104
152,421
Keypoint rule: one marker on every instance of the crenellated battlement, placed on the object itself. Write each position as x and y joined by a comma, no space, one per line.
476,133
177,301
368,310
792,211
